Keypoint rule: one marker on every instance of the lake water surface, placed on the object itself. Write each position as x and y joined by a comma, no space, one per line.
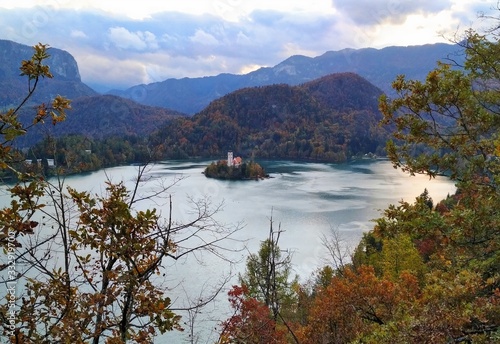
306,199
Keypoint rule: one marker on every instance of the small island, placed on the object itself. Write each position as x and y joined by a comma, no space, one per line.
235,169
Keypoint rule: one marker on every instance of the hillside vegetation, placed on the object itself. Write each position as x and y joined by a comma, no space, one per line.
100,117
329,119
428,272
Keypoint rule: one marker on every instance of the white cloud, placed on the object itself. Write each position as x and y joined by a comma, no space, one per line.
369,12
78,34
139,40
249,68
231,10
204,38
200,38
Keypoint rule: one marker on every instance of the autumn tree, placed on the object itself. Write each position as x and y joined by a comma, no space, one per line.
449,124
16,220
100,273
356,304
89,268
251,321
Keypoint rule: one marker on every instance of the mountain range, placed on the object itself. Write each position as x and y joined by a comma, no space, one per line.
99,117
92,114
149,106
378,66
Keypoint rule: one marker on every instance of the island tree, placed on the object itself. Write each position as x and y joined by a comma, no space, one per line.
244,171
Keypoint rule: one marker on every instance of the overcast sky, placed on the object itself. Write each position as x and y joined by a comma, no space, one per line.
118,44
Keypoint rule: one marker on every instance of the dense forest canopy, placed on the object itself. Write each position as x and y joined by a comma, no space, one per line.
330,119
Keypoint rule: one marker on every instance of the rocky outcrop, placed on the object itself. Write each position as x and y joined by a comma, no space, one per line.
13,87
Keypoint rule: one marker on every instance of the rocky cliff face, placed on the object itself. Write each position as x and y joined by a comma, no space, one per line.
63,65
13,87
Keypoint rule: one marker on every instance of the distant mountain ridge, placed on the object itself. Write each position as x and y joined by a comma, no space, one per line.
342,99
93,115
378,66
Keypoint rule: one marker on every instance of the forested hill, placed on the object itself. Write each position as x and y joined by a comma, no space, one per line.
329,119
344,92
98,117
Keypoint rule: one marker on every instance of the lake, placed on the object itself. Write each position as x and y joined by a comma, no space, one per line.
307,201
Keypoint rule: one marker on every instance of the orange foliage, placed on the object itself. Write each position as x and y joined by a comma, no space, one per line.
251,321
355,304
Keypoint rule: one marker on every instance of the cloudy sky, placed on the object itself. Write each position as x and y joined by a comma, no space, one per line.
118,44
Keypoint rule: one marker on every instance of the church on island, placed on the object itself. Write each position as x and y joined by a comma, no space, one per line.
234,168
233,162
